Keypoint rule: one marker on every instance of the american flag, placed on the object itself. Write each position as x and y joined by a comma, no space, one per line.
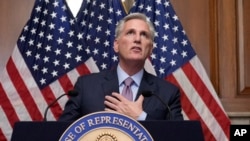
175,60
53,49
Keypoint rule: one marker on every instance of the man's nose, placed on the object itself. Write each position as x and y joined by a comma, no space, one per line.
137,38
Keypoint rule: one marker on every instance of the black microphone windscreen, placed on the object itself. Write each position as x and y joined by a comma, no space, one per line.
73,93
147,93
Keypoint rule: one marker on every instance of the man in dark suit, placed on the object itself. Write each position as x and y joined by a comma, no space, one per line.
103,91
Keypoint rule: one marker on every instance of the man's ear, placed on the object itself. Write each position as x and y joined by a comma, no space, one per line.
116,46
151,51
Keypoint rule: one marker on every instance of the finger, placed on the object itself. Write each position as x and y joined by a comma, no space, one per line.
118,96
108,109
110,105
111,99
140,99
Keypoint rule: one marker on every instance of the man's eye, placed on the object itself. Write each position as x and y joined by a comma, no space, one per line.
130,33
144,34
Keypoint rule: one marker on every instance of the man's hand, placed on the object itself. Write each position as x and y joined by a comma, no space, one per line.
120,104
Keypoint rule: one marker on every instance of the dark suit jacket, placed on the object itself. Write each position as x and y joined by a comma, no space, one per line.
93,88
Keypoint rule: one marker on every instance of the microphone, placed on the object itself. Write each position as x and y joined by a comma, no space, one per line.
71,93
150,93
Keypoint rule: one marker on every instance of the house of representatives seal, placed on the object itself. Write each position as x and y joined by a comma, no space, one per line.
106,126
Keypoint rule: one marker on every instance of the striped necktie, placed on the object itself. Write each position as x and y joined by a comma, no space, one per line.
127,92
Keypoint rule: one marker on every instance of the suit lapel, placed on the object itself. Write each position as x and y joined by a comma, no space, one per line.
110,83
147,84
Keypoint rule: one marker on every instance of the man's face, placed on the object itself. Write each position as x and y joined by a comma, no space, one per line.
134,42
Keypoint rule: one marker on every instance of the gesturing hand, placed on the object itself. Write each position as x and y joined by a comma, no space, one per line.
120,104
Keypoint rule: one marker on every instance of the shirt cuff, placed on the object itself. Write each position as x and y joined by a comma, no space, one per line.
142,116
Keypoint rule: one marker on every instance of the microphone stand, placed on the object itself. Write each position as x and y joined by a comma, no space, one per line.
149,93
52,103
70,93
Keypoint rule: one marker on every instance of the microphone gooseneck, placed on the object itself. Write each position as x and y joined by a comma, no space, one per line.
150,93
71,93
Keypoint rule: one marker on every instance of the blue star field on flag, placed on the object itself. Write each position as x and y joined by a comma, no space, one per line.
54,42
172,49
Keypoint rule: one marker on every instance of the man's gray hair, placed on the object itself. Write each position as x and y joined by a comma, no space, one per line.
131,16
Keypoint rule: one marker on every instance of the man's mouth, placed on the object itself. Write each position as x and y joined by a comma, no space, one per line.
136,48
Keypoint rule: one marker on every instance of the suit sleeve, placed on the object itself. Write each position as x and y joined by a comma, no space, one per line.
170,94
175,107
72,108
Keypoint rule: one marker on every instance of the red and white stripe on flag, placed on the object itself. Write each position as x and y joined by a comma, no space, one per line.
22,100
200,101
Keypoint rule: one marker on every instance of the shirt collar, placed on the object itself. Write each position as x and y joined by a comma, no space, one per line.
122,75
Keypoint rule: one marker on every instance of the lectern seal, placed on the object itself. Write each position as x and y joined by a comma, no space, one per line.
106,126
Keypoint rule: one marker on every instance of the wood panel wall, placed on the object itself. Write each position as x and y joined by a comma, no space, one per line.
13,16
224,49
218,30
234,54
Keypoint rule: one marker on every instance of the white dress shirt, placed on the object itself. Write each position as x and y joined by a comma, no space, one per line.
122,75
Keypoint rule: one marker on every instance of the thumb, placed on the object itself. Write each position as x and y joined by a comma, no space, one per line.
140,99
